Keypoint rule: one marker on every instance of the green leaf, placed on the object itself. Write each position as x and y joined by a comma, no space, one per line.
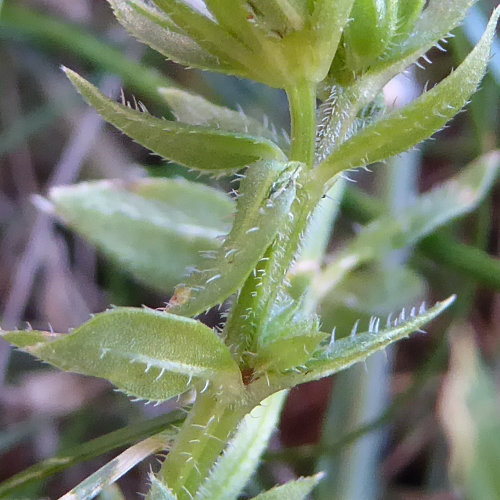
346,352
195,110
287,353
266,194
289,338
116,468
434,23
234,16
89,450
148,354
405,128
293,490
454,198
154,28
238,463
154,228
195,147
343,353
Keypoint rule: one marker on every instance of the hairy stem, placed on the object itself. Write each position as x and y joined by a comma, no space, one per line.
302,101
252,310
211,423
199,443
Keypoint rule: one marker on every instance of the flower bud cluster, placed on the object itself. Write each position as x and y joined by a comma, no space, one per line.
278,42
376,27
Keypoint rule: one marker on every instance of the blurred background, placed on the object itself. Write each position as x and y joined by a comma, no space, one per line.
424,422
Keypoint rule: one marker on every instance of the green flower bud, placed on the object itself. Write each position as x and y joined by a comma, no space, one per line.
408,12
369,33
376,28
282,43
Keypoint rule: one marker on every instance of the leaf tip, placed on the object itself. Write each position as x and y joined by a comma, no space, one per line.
444,304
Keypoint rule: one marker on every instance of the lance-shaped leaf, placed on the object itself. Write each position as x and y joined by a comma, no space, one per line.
149,354
220,49
240,459
195,147
405,128
266,195
195,110
154,28
432,29
294,490
454,198
154,228
343,353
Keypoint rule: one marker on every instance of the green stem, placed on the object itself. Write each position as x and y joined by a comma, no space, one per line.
302,101
260,290
199,443
468,260
211,422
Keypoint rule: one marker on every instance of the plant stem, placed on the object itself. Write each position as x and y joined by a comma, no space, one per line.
211,422
199,443
260,290
302,101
